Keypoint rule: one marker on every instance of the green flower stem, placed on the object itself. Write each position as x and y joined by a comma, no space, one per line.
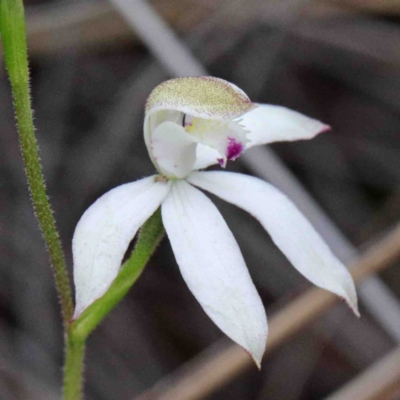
12,28
149,237
73,370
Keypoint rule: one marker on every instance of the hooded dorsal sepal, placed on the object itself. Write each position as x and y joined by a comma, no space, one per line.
202,97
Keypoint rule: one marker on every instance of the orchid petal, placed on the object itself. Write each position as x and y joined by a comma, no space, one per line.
228,138
213,267
289,229
205,156
269,123
173,149
104,232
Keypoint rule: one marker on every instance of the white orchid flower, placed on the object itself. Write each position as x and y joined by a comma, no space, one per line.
192,123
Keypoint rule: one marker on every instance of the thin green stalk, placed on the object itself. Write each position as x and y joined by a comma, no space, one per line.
12,28
149,237
73,370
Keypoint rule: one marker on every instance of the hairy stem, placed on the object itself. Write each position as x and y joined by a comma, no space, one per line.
12,28
149,237
73,370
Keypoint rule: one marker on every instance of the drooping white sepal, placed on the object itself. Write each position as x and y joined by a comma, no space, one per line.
213,267
288,228
104,232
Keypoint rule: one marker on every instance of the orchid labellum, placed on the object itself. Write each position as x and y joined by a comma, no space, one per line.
190,124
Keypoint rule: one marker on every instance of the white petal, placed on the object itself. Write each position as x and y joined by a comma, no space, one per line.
289,229
205,156
268,123
213,267
173,150
227,137
104,233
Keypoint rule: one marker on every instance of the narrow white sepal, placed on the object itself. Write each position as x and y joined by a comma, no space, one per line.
289,229
213,267
104,232
269,123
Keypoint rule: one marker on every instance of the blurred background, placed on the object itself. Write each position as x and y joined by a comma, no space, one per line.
93,64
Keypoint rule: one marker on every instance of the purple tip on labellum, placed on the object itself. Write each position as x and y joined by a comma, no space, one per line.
234,149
